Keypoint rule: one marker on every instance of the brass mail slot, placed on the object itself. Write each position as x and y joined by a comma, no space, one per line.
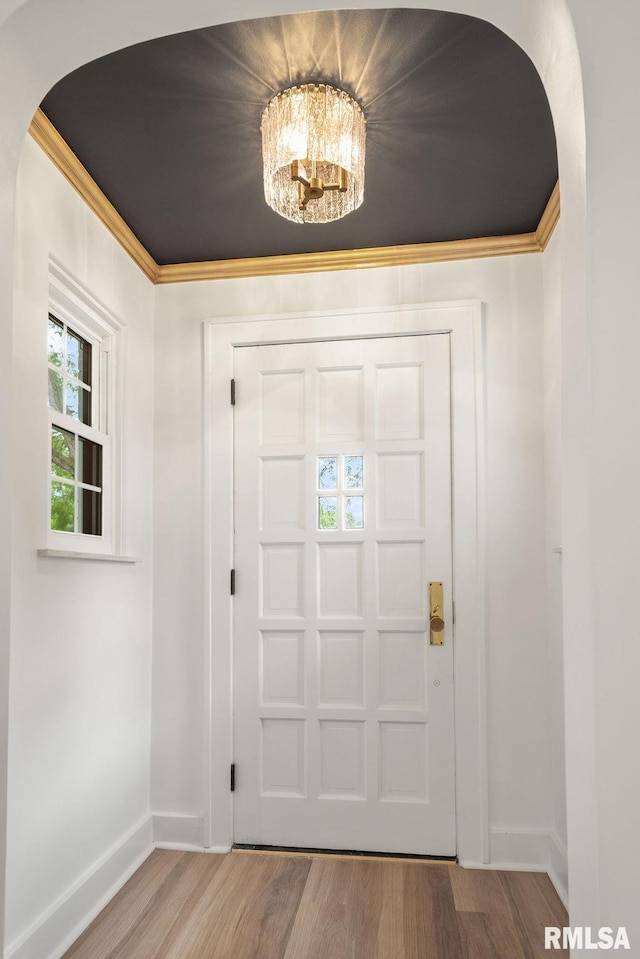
436,614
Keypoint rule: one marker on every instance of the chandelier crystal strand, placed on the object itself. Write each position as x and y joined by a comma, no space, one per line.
313,146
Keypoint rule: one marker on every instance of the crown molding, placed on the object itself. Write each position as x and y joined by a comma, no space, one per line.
350,259
549,218
63,157
59,152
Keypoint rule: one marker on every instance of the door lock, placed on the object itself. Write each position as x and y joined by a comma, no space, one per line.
436,614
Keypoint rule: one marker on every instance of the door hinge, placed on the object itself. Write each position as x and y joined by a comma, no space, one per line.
233,392
232,582
232,778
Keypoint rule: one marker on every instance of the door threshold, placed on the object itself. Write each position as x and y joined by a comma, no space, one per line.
256,849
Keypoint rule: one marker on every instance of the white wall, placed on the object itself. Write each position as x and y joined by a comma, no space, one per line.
553,545
610,427
80,631
511,288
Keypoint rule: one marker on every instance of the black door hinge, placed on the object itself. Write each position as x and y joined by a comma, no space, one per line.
233,392
232,778
232,582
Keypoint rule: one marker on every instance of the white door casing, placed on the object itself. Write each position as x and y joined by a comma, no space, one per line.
464,323
343,712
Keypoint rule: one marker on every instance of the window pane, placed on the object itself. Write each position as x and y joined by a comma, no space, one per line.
90,512
354,512
327,512
63,453
78,357
55,390
90,456
353,472
54,344
327,472
62,507
79,403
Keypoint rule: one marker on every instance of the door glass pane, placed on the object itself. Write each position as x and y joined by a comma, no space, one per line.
62,507
90,512
55,390
54,342
327,472
90,455
354,512
63,453
327,512
353,472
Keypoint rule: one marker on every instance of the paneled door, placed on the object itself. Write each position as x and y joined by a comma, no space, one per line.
343,712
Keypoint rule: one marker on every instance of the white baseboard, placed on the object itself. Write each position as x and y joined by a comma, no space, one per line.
559,867
185,847
178,832
51,934
529,850
510,849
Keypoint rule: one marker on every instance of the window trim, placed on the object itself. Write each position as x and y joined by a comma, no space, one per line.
76,306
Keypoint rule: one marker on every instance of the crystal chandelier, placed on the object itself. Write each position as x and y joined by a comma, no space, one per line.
313,153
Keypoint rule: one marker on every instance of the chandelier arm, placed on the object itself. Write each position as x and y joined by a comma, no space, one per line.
295,173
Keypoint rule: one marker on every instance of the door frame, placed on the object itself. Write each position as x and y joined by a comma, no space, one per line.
462,320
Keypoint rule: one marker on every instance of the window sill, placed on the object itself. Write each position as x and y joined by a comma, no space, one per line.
96,557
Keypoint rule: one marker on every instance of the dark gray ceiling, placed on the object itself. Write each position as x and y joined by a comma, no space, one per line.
460,141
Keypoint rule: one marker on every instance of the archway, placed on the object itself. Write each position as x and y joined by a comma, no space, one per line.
545,33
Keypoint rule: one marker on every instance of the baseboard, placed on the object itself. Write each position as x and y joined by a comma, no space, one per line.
178,832
187,847
529,850
559,867
526,848
58,927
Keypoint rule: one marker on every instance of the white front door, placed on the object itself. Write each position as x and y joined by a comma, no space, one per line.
343,714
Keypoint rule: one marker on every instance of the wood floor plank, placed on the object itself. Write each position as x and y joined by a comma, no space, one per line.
248,911
478,890
339,911
555,904
485,937
122,914
362,910
531,912
431,924
165,916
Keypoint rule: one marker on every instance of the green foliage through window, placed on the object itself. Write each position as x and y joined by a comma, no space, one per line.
328,512
63,507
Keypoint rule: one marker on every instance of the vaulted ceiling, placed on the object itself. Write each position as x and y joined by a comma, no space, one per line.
460,140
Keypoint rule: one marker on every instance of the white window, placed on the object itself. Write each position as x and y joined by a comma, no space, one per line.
82,460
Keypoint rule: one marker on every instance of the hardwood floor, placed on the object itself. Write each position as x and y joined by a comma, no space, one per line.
240,906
